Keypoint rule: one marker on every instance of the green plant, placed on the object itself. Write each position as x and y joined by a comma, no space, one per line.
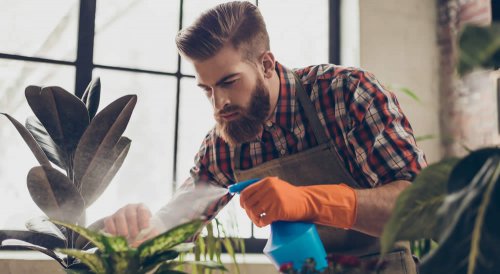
455,203
157,255
479,47
68,132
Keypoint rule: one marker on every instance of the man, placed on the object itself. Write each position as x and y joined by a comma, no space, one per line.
330,143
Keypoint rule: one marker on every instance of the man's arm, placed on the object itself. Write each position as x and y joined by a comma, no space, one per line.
375,206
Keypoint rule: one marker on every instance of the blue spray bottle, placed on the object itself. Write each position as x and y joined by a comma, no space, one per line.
290,242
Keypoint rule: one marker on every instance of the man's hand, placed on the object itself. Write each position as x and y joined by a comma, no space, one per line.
130,221
273,199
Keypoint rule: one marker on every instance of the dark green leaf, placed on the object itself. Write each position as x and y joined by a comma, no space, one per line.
53,152
54,193
126,262
91,97
30,141
414,216
93,261
62,114
93,185
169,239
479,47
43,225
152,262
30,246
97,143
94,237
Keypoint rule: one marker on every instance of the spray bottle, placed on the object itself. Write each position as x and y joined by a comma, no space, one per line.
290,242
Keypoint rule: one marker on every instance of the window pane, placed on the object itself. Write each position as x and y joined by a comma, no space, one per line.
297,42
138,34
146,174
16,205
39,28
192,10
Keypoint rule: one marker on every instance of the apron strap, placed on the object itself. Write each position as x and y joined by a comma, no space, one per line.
311,113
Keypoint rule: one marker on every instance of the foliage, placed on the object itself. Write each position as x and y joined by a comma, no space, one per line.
87,145
479,47
458,209
157,255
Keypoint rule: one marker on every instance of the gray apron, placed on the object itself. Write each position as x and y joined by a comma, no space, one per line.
323,165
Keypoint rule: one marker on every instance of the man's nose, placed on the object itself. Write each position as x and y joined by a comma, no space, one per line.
220,99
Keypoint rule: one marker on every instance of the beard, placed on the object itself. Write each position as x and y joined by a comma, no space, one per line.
250,122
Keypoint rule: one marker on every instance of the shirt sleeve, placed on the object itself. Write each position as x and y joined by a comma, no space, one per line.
381,137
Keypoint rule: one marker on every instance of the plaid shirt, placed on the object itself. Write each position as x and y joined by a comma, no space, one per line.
364,119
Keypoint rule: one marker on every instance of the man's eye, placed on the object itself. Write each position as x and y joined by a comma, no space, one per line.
228,83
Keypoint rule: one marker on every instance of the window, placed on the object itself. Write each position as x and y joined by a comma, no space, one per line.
132,49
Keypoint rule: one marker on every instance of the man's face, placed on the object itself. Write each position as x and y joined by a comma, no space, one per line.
238,93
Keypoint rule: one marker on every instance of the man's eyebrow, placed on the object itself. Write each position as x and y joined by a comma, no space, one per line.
222,80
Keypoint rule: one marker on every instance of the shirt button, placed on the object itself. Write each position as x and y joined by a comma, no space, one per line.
283,152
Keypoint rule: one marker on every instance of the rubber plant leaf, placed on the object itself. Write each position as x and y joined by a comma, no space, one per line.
43,225
93,261
30,141
91,97
55,194
414,216
51,149
94,184
25,245
100,139
470,241
169,239
62,114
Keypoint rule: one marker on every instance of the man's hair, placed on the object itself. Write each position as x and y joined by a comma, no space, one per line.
238,23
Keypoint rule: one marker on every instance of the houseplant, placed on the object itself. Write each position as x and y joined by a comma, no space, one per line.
68,134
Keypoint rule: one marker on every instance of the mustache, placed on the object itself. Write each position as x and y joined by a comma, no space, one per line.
228,109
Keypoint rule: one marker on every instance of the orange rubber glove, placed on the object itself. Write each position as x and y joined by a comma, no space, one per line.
272,199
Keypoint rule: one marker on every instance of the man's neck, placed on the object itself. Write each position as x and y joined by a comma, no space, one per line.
274,92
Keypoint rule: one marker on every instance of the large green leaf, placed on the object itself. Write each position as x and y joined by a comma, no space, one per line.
155,261
94,237
55,194
93,261
94,184
43,225
82,242
99,140
126,262
62,114
51,149
30,141
479,47
169,239
414,215
91,97
470,243
25,245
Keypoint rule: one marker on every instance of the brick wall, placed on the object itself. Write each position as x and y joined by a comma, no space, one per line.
468,114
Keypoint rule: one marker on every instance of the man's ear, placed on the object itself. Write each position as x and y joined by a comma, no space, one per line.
268,63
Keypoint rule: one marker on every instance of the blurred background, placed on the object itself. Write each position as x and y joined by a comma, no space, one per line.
130,45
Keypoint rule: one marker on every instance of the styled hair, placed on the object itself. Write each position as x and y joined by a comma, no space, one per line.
239,23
